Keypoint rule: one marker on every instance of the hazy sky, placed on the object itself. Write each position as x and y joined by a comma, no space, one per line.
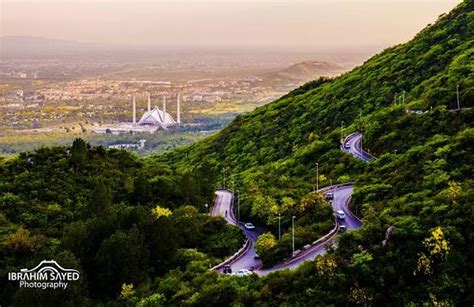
290,23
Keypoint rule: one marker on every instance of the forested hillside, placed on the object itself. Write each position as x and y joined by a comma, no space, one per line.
136,231
106,214
272,152
416,199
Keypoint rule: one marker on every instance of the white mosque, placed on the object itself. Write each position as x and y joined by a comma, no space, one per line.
156,117
151,121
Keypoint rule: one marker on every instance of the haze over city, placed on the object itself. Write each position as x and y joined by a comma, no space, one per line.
193,23
70,68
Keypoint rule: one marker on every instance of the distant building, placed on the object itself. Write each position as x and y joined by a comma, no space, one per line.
197,98
151,121
124,146
157,117
19,93
140,146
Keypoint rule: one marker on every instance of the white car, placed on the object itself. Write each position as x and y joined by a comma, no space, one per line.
242,273
249,226
340,214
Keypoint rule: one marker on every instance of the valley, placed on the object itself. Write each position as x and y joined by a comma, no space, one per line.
48,101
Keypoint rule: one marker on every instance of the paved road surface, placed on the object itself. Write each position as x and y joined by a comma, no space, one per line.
340,202
223,203
223,207
353,145
247,259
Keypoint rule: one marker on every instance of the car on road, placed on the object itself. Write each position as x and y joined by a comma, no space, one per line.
256,256
340,214
342,228
347,145
227,269
329,196
242,273
249,226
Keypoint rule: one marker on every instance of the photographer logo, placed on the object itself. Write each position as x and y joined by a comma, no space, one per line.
46,275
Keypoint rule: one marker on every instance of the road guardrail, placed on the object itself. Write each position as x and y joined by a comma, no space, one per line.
241,251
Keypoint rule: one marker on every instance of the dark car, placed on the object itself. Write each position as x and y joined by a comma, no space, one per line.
227,269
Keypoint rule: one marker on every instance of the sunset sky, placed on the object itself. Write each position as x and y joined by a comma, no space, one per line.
258,23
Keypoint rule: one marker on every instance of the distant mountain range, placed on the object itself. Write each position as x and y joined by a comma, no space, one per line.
29,46
306,70
23,46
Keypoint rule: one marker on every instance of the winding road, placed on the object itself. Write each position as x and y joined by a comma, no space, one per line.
353,145
247,259
342,195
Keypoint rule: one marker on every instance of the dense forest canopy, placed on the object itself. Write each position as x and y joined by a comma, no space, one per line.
144,217
107,214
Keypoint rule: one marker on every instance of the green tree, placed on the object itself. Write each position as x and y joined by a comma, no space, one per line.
122,258
101,197
265,247
78,152
158,212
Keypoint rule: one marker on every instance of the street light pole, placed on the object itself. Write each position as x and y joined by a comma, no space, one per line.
224,178
342,131
293,235
317,177
233,200
279,226
238,206
233,193
457,96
